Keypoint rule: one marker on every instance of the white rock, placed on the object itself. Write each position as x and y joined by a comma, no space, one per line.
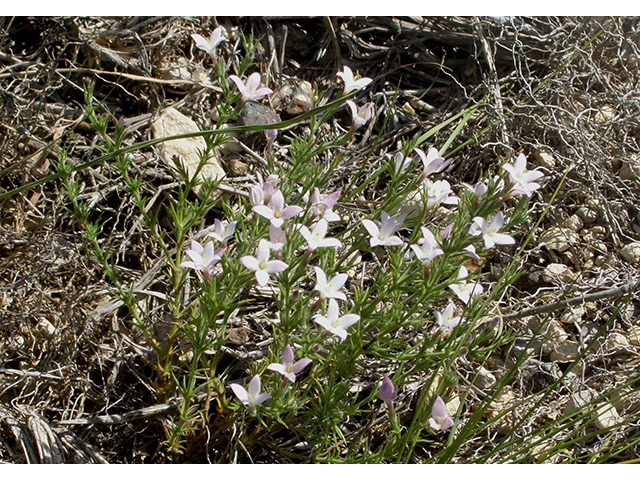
46,328
634,335
578,400
503,401
555,336
607,416
172,122
452,406
574,222
618,343
559,239
565,352
605,114
557,272
631,253
544,159
587,214
485,379
573,315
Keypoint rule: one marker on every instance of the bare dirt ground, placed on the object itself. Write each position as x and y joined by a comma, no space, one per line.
562,90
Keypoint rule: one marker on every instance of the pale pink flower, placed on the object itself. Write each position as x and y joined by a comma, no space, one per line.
316,237
250,90
203,259
489,231
445,319
463,289
277,238
427,248
385,234
276,211
251,395
388,392
321,205
478,190
210,45
400,163
440,419
335,323
223,231
350,82
523,180
261,264
360,115
288,368
439,192
432,162
331,288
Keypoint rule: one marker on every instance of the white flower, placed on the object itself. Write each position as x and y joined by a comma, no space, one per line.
335,323
322,205
350,83
384,234
439,192
276,211
287,368
262,265
400,163
250,90
440,419
316,237
445,319
524,180
463,289
427,249
360,116
223,231
331,288
277,238
251,395
432,162
489,231
210,45
204,259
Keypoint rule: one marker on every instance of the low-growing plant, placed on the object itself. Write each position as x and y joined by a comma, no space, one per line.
371,319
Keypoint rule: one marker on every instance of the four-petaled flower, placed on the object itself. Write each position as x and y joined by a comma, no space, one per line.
445,319
331,288
210,45
385,234
276,211
316,237
223,231
388,392
465,290
321,205
250,90
523,180
287,368
350,83
361,115
277,238
440,419
261,264
204,259
489,231
438,192
335,323
251,395
432,162
427,248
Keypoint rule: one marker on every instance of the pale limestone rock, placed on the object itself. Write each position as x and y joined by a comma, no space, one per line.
618,343
555,336
574,223
545,159
485,379
634,335
559,239
565,352
607,416
452,406
504,400
172,122
573,315
577,401
587,214
557,272
631,253
46,328
604,115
